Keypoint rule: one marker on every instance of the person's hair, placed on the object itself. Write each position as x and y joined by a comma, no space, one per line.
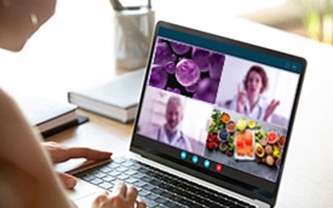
262,74
175,99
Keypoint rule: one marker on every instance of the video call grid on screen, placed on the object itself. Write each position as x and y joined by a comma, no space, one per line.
211,87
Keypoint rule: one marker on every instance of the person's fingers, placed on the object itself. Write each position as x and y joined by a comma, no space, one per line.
271,108
240,89
120,189
68,180
132,194
83,152
273,105
140,203
100,199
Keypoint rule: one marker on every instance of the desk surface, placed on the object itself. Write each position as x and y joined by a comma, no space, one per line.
74,50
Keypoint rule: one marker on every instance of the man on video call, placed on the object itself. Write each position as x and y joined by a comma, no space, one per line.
170,133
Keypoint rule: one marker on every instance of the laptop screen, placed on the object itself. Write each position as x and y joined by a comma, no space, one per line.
218,109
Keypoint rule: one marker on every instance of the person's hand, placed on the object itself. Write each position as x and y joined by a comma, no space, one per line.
121,197
60,153
270,109
241,100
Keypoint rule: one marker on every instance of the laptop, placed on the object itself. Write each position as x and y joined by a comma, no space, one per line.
213,124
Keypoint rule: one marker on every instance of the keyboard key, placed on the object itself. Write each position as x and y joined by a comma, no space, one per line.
100,175
88,177
96,181
151,196
130,172
156,182
146,179
139,175
113,166
119,160
160,200
105,169
122,169
139,184
108,178
131,180
143,193
166,194
122,177
128,163
150,203
114,173
171,204
105,185
148,187
157,190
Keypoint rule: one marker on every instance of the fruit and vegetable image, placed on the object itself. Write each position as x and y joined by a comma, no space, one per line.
267,148
244,139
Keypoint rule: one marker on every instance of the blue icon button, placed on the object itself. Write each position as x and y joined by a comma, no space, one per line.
195,159
206,163
183,155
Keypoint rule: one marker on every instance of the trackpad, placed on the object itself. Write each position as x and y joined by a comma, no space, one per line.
84,193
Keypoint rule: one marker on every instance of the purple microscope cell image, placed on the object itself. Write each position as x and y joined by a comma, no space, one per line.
193,88
207,90
174,90
180,48
170,67
163,54
158,77
216,65
187,72
201,58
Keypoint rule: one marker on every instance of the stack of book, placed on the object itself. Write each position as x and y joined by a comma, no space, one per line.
48,116
116,99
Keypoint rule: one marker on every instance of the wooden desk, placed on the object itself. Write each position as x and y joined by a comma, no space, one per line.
74,50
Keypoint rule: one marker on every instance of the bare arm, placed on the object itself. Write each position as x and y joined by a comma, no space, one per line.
26,169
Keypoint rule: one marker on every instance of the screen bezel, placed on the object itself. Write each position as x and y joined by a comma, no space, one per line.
149,148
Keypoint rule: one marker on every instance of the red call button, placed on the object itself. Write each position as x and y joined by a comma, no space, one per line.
218,167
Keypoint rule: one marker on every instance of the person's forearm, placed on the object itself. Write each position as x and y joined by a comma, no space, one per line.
28,166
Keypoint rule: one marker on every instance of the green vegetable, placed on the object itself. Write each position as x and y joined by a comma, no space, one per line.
216,122
231,146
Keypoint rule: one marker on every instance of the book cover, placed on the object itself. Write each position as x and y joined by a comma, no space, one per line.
47,115
116,99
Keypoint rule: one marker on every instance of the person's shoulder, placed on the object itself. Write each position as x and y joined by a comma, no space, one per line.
3,93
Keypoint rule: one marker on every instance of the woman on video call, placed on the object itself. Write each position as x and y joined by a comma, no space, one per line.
27,178
250,102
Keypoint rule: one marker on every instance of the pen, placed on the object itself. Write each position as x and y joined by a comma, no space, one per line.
116,5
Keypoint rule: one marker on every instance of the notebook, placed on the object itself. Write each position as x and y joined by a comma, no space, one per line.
213,124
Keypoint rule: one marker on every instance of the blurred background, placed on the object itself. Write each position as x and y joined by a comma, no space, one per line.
75,49
309,18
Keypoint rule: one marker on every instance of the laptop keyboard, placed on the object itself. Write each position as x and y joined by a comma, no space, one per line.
156,187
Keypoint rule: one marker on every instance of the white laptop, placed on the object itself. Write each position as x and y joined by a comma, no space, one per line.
213,124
